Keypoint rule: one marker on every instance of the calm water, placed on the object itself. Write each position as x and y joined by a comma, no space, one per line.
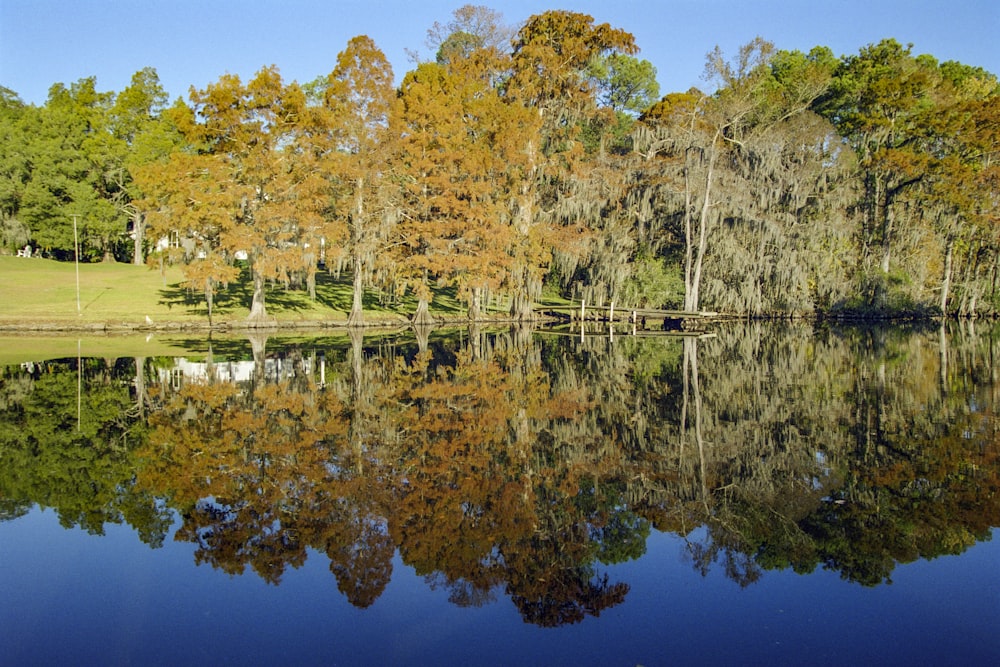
762,495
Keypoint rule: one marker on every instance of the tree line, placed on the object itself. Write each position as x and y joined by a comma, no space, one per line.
537,158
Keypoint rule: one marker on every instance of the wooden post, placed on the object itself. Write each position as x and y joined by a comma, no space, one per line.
76,261
583,310
611,313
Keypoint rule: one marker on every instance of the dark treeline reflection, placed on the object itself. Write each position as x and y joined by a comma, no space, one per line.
522,465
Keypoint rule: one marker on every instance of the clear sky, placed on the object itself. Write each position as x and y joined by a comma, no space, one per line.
194,42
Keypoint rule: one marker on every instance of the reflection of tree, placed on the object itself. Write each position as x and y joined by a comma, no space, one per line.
522,465
67,441
463,494
552,576
498,489
13,509
568,596
841,451
356,535
242,467
263,471
924,480
360,551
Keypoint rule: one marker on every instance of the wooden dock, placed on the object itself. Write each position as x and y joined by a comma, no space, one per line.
641,319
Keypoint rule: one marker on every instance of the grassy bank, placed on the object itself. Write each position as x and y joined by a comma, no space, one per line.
40,293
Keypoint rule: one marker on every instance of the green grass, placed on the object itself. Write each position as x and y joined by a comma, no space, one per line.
43,292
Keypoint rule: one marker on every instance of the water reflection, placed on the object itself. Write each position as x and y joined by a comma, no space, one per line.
520,465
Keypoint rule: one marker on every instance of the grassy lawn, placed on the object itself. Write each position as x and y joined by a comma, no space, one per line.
43,292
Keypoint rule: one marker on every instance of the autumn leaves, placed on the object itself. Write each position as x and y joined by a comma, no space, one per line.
447,181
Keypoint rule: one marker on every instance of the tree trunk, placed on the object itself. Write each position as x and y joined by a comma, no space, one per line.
885,211
520,308
475,304
946,279
688,246
994,275
357,317
309,267
258,310
422,317
692,289
886,252
139,230
966,291
209,298
973,286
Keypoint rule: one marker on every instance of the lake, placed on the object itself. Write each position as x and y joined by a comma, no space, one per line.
764,493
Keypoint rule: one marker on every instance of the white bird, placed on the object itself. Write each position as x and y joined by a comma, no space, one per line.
148,320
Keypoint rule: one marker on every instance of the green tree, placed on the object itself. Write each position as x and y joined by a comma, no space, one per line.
879,101
144,133
68,143
625,84
15,168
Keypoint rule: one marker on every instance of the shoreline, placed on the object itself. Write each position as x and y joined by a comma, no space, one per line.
109,327
383,322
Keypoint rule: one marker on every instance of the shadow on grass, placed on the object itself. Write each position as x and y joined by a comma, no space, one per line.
236,295
225,300
333,293
337,294
447,302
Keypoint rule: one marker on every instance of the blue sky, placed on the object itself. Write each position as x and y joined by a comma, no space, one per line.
194,42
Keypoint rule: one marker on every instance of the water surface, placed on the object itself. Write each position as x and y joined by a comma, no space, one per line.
763,494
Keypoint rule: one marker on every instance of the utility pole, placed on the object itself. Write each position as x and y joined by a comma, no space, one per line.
76,258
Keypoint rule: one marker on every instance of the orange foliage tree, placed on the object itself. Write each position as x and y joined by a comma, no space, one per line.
549,76
245,193
455,154
358,101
